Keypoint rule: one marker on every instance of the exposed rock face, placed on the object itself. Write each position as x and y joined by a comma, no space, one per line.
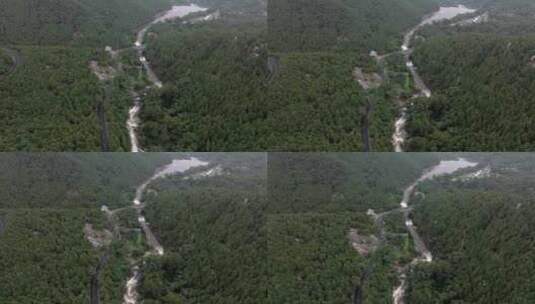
364,245
97,238
367,80
102,73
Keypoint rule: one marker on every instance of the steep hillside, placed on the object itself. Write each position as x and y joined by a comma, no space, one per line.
481,233
98,23
62,180
482,78
362,25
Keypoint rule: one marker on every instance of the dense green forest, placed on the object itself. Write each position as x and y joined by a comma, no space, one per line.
5,63
312,103
229,84
214,97
47,200
359,25
266,228
66,180
24,282
213,234
482,77
476,226
318,105
277,76
221,95
335,182
84,22
302,268
51,103
315,202
481,234
52,100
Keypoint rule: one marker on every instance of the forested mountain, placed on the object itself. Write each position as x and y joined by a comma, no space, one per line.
482,77
363,25
340,182
255,76
243,228
84,22
58,244
48,201
481,233
69,179
476,224
213,232
215,92
221,95
53,101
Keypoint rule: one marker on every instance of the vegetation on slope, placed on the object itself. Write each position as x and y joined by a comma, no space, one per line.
47,199
50,103
5,63
482,77
67,180
221,95
310,259
85,22
212,230
46,258
336,182
214,94
481,235
359,25
229,239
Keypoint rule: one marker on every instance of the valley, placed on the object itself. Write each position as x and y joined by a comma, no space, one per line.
266,227
243,75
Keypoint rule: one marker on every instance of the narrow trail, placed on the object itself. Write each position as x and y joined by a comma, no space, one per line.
155,248
133,122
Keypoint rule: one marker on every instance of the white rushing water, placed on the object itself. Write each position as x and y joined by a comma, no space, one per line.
443,168
399,136
130,296
133,123
444,13
176,166
177,11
